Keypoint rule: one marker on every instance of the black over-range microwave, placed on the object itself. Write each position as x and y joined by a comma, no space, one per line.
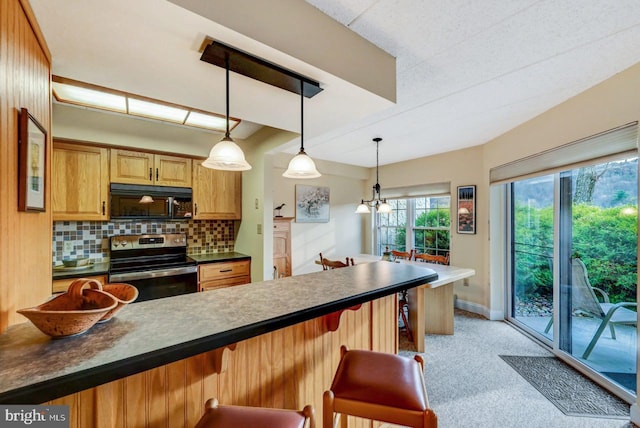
135,201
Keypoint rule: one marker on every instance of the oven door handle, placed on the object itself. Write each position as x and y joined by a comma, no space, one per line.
160,273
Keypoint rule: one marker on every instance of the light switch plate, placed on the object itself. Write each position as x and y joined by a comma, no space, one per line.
259,229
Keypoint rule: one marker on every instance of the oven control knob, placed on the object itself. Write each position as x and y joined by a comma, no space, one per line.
123,243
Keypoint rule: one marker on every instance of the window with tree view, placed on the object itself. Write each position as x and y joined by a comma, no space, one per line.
420,223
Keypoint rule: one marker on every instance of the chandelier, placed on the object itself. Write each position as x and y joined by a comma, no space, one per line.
376,201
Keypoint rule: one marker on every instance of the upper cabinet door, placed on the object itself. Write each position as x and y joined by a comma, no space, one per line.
146,168
172,171
131,167
217,195
80,182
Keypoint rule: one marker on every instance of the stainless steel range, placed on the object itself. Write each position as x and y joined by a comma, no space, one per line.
157,265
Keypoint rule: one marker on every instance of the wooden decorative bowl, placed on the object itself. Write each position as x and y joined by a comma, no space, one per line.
71,313
123,293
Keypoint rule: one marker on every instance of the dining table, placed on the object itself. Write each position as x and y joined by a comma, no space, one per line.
431,304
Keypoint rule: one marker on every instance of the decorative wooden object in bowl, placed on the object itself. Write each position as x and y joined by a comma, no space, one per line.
123,293
71,313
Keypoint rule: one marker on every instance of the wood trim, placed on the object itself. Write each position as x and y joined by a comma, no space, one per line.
35,27
286,368
25,72
118,147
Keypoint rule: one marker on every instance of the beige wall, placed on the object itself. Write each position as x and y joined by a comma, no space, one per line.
257,206
460,168
342,236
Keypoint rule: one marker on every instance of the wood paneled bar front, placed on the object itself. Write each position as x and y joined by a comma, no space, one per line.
259,344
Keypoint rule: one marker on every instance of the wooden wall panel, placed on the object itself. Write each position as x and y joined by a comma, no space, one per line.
287,368
25,238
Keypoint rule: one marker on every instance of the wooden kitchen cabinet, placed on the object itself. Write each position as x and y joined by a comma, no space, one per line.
147,168
282,246
217,195
62,285
80,182
223,274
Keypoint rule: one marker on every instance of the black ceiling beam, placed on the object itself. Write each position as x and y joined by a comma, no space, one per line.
257,68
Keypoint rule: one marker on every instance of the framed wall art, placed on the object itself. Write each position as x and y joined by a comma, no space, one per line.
32,149
467,209
312,204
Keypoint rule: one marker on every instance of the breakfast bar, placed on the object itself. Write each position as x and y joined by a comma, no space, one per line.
261,344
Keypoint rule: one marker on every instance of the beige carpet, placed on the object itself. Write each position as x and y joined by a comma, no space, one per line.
470,385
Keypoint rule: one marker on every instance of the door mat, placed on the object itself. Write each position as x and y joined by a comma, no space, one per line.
568,389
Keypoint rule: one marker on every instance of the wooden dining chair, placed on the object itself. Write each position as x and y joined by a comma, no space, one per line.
431,258
401,255
333,264
403,301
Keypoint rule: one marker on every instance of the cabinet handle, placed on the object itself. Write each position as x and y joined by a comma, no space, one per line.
157,176
150,174
104,207
195,209
226,270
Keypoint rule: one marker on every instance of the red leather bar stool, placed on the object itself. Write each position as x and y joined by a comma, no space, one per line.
217,416
378,386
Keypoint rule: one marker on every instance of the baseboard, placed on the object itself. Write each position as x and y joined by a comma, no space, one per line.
476,308
635,414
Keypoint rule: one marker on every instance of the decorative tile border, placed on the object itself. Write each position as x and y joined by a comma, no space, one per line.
91,238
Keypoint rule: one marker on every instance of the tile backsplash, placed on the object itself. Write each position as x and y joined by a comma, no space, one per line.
72,239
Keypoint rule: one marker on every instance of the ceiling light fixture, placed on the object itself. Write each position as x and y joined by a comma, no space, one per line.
82,94
227,155
380,204
301,166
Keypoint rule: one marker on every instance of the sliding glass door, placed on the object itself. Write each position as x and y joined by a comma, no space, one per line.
532,253
573,263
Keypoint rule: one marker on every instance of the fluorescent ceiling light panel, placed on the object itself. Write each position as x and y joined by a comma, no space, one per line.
209,121
89,97
157,111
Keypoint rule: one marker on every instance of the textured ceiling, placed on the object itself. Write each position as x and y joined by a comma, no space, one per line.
466,71
469,71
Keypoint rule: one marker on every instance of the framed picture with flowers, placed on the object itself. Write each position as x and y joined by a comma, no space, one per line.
312,204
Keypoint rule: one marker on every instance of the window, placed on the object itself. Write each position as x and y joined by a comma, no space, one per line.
421,223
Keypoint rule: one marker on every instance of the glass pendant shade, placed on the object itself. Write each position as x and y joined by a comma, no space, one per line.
301,166
146,199
227,156
384,208
363,209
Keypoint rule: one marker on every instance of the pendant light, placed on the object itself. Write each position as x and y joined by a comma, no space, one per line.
226,155
380,204
301,166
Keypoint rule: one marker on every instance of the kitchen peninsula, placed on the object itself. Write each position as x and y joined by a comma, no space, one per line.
158,361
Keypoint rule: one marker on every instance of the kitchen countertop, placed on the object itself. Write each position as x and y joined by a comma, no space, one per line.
35,369
218,257
94,269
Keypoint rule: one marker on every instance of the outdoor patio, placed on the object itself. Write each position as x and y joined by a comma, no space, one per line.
613,358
